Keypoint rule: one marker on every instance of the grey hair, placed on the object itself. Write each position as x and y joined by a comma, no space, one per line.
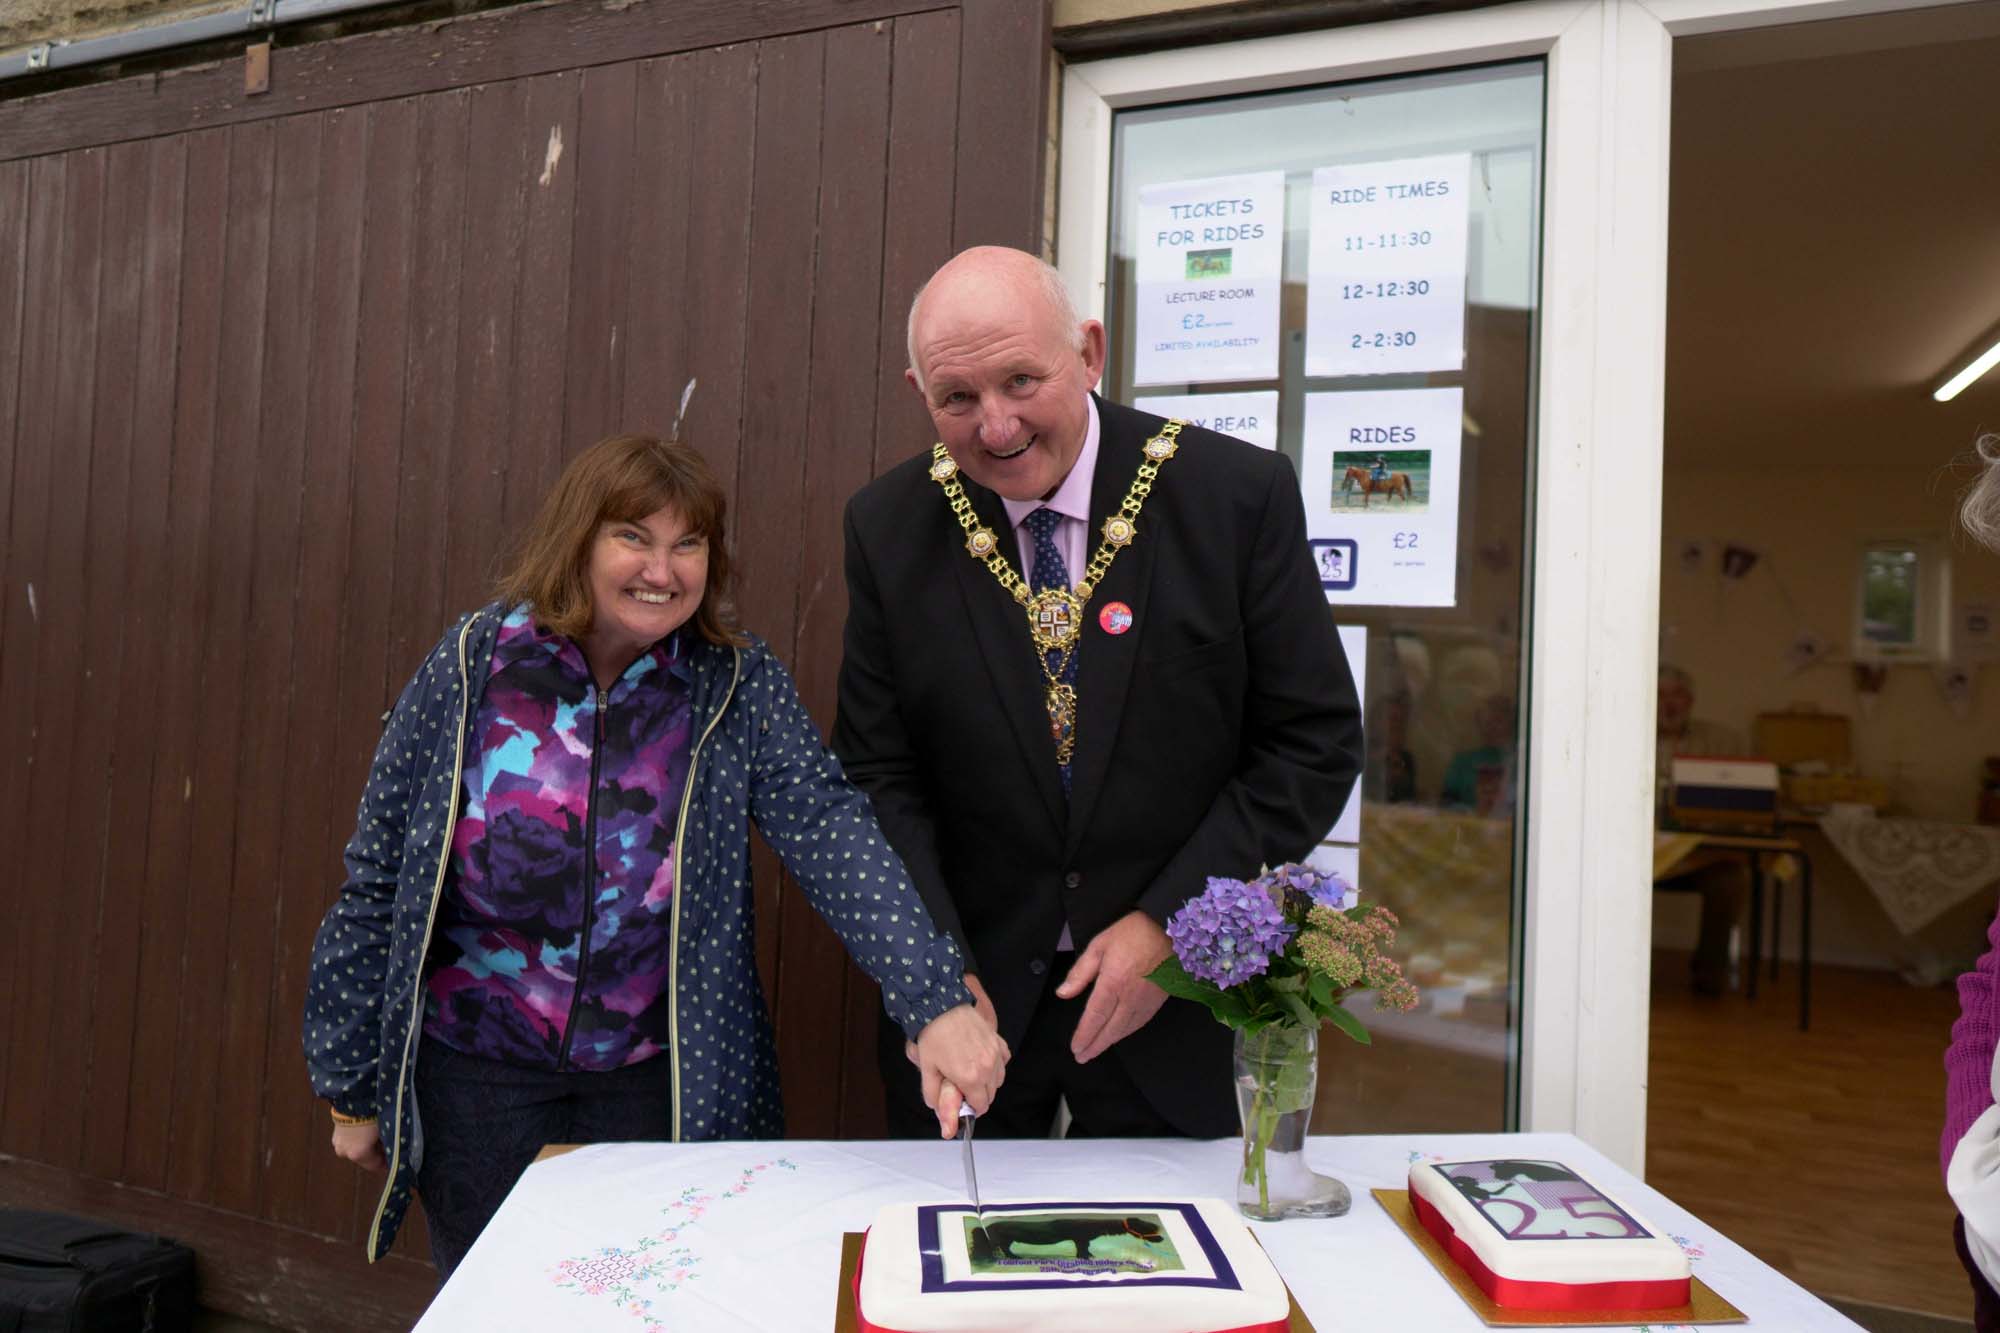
1979,511
1054,291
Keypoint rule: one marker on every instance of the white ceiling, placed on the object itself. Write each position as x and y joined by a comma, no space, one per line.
1834,242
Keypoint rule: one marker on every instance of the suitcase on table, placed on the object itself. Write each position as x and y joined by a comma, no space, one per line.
71,1275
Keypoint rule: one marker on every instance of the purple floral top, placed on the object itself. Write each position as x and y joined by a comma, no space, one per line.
565,785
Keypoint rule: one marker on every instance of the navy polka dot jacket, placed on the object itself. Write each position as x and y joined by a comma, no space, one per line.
757,757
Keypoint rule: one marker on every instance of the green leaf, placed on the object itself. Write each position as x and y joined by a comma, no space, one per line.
1325,996
1351,1025
1300,1012
1172,978
1295,983
1230,1008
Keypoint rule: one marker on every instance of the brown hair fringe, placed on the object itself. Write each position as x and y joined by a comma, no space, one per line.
620,480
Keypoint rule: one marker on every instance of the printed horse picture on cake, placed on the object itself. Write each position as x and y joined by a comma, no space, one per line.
1400,478
1080,1243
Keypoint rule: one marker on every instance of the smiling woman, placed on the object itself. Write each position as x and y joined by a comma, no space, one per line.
545,933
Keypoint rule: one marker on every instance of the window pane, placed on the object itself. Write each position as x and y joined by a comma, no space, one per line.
1349,274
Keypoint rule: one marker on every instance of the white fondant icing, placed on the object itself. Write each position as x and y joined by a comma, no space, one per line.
892,1292
1653,1257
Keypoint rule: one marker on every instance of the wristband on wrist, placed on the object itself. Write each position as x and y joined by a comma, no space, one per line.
340,1119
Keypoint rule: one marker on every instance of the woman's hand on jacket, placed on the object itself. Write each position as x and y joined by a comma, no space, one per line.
962,1058
361,1145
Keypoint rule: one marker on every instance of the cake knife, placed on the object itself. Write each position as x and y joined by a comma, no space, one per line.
967,1118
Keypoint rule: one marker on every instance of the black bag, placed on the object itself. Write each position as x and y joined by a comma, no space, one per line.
69,1275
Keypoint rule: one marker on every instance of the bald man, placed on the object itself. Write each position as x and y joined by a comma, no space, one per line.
1057,800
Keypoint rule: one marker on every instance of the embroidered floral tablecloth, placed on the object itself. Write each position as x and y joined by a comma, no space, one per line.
745,1237
1917,868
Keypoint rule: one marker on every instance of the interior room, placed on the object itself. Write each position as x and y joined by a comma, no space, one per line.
1834,259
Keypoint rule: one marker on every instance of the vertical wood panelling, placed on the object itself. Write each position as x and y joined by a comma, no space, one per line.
656,355
725,148
1003,101
102,916
274,401
43,184
224,682
146,610
310,832
599,260
13,279
541,310
836,459
496,173
417,607
269,703
336,1193
169,900
784,259
916,234
58,971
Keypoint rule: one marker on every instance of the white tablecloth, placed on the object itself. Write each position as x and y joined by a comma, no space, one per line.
646,1238
1917,868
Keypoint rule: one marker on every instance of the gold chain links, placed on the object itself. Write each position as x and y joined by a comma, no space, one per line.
1055,616
944,471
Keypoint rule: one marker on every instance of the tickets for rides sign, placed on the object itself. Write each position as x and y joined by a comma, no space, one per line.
1210,268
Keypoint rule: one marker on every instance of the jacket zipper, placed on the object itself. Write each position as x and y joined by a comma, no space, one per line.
589,882
423,952
680,847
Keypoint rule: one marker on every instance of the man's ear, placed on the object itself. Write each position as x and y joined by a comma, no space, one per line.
916,385
1093,353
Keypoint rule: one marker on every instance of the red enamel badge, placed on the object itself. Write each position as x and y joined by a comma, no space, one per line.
1115,618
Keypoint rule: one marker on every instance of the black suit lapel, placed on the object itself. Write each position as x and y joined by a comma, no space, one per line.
1104,661
1001,626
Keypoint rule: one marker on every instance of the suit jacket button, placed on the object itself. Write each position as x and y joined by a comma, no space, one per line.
1072,880
1038,967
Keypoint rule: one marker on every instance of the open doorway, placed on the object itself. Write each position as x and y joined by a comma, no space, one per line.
1834,255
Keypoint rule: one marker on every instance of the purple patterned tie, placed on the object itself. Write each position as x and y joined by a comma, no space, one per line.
1051,572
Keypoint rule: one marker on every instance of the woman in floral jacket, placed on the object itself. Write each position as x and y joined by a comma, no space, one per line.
545,932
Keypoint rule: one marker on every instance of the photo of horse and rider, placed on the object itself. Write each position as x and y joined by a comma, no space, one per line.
1399,478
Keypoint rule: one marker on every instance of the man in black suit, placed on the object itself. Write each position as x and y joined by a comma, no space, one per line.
1212,729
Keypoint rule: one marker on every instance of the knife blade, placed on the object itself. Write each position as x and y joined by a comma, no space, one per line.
967,1118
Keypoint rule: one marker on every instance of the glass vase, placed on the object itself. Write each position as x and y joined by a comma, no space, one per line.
1277,1069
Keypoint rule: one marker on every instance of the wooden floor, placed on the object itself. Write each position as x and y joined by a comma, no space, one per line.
1838,1126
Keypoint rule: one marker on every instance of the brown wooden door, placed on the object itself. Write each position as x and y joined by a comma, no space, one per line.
278,376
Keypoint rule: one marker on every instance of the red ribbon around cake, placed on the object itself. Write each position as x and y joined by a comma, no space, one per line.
867,1325
1654,1294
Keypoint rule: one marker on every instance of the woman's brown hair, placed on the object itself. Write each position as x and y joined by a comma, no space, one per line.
619,480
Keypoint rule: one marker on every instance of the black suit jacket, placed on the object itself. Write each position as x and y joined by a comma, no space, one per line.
1219,734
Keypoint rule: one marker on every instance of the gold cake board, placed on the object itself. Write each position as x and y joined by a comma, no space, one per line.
1703,1307
850,1255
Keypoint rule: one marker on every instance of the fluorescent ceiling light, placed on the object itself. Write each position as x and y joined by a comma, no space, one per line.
1982,363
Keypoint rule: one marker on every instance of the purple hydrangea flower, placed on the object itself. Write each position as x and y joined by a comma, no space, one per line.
1229,933
1320,888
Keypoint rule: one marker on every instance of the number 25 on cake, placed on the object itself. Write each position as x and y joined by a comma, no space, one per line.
1537,1236
1181,1266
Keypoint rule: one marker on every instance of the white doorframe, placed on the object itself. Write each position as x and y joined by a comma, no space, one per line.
1594,614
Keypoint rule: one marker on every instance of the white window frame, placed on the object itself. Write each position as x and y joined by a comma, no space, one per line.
1594,606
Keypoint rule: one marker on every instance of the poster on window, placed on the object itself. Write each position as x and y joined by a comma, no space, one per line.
1380,476
1251,417
1385,288
1210,270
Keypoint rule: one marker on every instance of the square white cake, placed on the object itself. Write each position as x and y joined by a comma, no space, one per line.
1536,1235
1160,1266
